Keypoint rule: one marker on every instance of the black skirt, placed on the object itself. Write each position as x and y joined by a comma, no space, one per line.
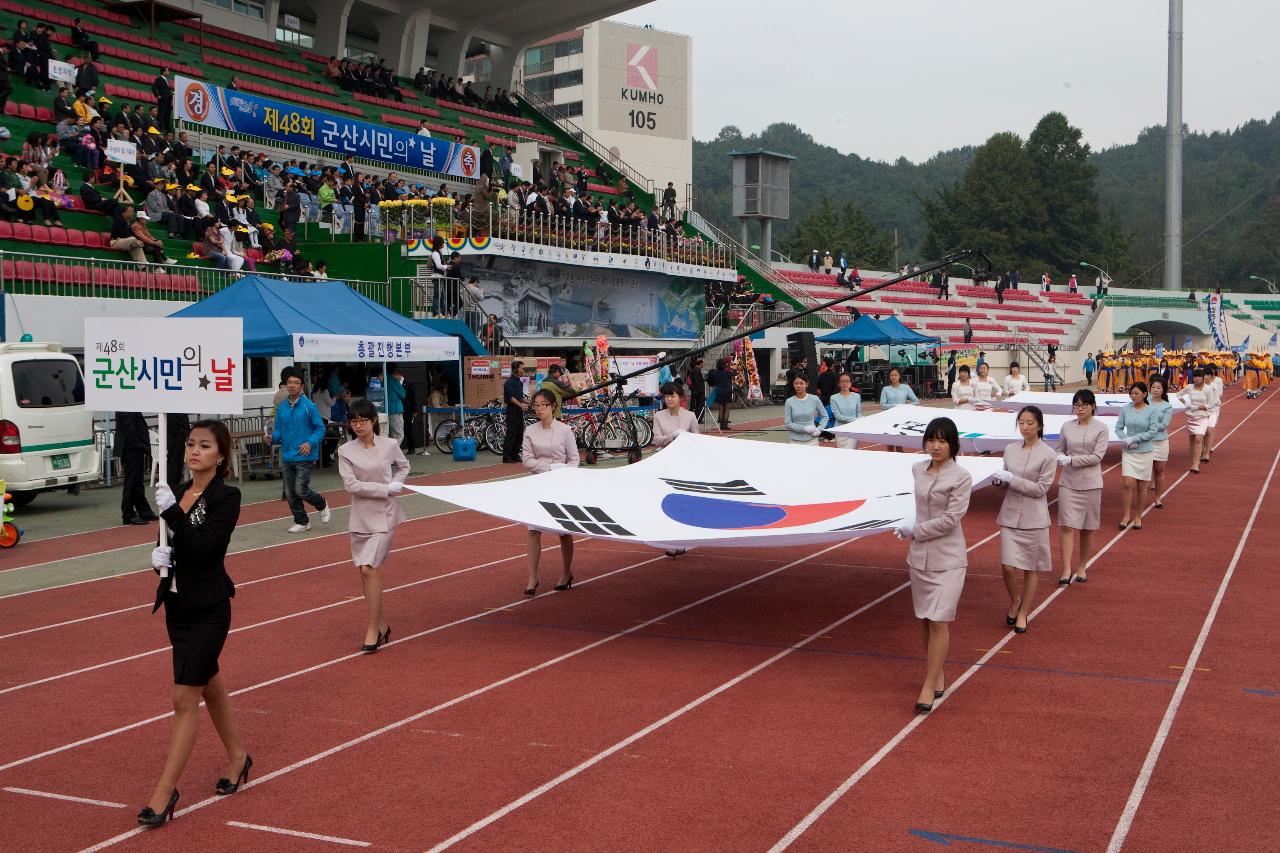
197,636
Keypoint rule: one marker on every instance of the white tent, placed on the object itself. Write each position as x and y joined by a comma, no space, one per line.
703,490
1059,402
903,426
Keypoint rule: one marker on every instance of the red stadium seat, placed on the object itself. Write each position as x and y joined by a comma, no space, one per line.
40,234
22,231
6,230
132,279
58,236
25,271
75,238
44,271
81,275
95,240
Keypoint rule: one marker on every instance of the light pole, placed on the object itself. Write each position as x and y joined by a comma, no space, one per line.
1271,285
1173,155
1106,277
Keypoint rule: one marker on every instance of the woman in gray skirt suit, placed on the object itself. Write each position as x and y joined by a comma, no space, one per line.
373,470
1081,445
937,558
1024,516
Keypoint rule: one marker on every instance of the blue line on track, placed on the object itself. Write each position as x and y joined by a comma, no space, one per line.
1270,693
947,839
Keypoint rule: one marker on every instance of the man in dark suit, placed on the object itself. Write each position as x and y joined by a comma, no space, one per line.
86,76
697,384
163,91
133,446
486,161
513,397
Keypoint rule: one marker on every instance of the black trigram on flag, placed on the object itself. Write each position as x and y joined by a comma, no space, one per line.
585,519
731,487
867,525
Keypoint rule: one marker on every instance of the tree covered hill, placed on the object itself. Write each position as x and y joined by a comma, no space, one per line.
1037,197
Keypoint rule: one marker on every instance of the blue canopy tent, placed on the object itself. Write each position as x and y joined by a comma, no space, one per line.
863,331
274,311
903,335
471,345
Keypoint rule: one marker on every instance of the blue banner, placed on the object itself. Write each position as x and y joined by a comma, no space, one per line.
1217,323
207,105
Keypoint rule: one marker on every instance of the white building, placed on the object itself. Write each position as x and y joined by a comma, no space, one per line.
628,87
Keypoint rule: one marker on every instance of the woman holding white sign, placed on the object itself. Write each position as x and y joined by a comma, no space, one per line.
196,593
373,470
548,445
1024,515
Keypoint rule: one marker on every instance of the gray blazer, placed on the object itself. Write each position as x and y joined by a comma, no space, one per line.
1086,445
942,499
1025,507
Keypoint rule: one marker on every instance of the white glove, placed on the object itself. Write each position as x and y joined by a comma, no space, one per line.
1002,477
1131,442
162,560
1064,460
164,496
813,430
555,465
904,530
395,487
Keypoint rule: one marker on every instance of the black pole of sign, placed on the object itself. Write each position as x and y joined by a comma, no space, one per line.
619,380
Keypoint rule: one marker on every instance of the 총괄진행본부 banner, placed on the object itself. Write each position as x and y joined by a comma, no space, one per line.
313,347
164,364
207,105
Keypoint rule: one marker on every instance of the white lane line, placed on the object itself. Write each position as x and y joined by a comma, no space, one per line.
654,726
487,612
1175,702
67,797
243,584
479,691
870,764
332,839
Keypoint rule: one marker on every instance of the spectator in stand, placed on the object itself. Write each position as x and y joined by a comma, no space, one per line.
6,84
87,77
160,208
122,237
1044,282
80,39
1015,278
1073,286
669,201
152,247
486,160
968,331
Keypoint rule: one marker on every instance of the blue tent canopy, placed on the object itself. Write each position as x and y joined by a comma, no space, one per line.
903,335
273,310
870,332
863,330
471,345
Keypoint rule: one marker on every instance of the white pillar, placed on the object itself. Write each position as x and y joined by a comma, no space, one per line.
1173,155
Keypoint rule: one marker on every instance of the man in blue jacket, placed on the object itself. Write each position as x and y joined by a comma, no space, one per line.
299,430
395,403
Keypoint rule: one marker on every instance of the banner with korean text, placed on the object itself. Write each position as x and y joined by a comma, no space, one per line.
312,347
150,364
207,105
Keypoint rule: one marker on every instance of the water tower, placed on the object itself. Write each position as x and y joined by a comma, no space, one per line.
761,191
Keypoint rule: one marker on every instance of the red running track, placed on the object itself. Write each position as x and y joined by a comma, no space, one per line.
1065,719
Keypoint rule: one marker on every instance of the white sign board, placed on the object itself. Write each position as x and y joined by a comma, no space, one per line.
122,151
704,490
148,364
517,171
313,347
63,72
645,383
292,22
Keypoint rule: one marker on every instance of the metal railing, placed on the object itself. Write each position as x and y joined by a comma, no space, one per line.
524,226
586,140
111,278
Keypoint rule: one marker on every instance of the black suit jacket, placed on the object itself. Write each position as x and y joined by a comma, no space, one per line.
199,550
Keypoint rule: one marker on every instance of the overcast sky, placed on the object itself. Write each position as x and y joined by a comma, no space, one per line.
890,78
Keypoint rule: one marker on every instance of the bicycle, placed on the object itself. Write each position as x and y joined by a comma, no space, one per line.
478,427
616,428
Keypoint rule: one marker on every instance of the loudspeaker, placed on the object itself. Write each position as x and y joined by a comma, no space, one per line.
801,345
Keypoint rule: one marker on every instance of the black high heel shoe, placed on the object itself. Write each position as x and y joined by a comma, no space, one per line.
564,587
384,637
937,694
148,818
922,708
226,786
533,590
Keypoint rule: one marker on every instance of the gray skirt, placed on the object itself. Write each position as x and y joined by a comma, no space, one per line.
936,594
1080,509
370,549
1025,549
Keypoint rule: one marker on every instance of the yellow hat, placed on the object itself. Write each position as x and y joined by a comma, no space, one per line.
153,130
24,202
104,100
227,171
171,186
267,226
240,229
193,188
230,198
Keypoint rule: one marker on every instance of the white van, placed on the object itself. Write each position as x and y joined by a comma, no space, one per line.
46,431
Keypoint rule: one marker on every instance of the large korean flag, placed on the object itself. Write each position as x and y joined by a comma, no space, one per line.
1059,402
703,490
904,426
